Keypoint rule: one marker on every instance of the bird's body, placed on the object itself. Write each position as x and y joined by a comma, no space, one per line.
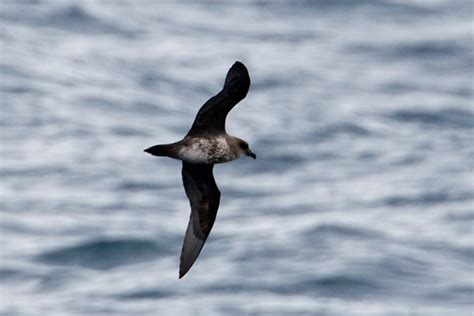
205,149
206,144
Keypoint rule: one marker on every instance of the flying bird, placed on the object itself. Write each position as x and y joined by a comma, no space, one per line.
206,144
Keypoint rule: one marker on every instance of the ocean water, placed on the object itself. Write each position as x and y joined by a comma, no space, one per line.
361,199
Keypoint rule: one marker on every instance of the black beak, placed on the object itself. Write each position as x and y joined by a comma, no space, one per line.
251,154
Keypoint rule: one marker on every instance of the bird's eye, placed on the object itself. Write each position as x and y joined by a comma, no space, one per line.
244,145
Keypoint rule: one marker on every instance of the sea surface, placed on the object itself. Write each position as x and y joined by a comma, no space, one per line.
361,200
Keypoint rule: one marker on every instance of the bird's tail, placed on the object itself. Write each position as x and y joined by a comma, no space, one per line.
162,150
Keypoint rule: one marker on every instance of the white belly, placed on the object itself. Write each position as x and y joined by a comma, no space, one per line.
206,151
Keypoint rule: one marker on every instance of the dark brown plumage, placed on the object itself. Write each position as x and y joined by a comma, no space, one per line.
204,197
206,144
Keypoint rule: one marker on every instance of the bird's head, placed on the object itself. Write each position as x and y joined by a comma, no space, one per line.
245,149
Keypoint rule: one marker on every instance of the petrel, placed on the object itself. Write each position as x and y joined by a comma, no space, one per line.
206,144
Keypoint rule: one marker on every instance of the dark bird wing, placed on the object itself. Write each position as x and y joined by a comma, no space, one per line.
211,116
204,197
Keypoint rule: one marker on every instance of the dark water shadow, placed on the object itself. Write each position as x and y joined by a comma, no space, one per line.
105,254
144,294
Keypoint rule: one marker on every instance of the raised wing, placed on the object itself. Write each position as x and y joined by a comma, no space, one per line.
211,116
204,197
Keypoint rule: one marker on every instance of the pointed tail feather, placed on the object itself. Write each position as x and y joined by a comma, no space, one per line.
162,150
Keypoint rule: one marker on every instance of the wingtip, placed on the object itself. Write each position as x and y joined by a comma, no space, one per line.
183,270
239,64
237,80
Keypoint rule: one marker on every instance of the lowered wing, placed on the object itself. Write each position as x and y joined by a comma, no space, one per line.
204,197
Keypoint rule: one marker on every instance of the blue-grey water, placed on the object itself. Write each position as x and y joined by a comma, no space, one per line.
361,199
